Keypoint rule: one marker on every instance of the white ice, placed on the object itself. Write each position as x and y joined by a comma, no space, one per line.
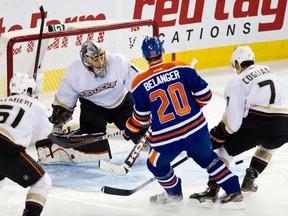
76,190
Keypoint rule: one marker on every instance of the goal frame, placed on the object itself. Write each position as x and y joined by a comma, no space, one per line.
86,30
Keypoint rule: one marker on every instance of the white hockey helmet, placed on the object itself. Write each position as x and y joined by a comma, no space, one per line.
20,83
93,57
241,54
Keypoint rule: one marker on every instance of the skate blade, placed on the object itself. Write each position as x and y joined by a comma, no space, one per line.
170,204
175,204
247,194
197,203
232,206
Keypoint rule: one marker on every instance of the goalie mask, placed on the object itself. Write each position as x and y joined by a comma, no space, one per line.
93,57
20,83
241,54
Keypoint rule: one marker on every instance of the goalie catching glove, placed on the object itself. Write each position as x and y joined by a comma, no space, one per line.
60,115
134,132
219,134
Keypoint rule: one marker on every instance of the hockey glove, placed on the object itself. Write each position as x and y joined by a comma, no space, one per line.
218,133
133,132
60,115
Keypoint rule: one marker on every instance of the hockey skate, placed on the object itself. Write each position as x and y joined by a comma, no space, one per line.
248,184
231,201
235,197
210,194
165,198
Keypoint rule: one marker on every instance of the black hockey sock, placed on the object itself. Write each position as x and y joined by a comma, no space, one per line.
258,165
32,209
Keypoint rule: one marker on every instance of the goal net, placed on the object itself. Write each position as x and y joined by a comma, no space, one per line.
61,45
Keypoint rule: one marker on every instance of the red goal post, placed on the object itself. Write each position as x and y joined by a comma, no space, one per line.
60,48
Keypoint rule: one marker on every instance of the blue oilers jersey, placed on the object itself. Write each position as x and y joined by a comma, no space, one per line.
171,95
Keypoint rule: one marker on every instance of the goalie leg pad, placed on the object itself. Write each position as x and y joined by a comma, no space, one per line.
60,155
98,147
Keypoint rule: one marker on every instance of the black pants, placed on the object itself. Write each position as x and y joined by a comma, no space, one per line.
20,168
270,131
94,119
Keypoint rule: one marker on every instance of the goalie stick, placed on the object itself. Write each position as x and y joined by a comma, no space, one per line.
128,192
37,65
125,167
73,141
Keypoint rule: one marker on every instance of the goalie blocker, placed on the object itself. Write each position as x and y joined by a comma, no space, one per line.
50,152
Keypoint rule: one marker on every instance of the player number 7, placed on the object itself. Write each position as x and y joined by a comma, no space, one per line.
272,88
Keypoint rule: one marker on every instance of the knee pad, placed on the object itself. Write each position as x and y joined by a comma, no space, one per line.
224,155
264,154
39,191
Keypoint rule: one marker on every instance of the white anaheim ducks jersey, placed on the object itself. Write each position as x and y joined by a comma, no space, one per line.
108,91
22,117
256,88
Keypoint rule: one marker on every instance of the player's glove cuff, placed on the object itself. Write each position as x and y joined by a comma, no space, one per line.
219,133
60,115
132,131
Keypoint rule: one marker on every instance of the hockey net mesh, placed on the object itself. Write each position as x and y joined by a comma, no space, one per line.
60,48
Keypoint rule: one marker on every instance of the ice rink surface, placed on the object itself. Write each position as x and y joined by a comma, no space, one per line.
76,188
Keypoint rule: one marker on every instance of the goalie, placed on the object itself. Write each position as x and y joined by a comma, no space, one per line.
102,84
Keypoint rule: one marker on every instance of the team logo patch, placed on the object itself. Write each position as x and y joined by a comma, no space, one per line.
26,177
99,88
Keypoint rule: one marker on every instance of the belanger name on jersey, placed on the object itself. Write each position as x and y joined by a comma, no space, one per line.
162,78
256,73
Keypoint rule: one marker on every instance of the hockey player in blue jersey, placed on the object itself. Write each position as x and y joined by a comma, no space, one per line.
171,96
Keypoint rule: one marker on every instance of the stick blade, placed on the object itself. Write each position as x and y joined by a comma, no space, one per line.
116,169
116,191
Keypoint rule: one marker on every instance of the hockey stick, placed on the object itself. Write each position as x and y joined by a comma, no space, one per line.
128,192
72,141
125,167
194,62
37,65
